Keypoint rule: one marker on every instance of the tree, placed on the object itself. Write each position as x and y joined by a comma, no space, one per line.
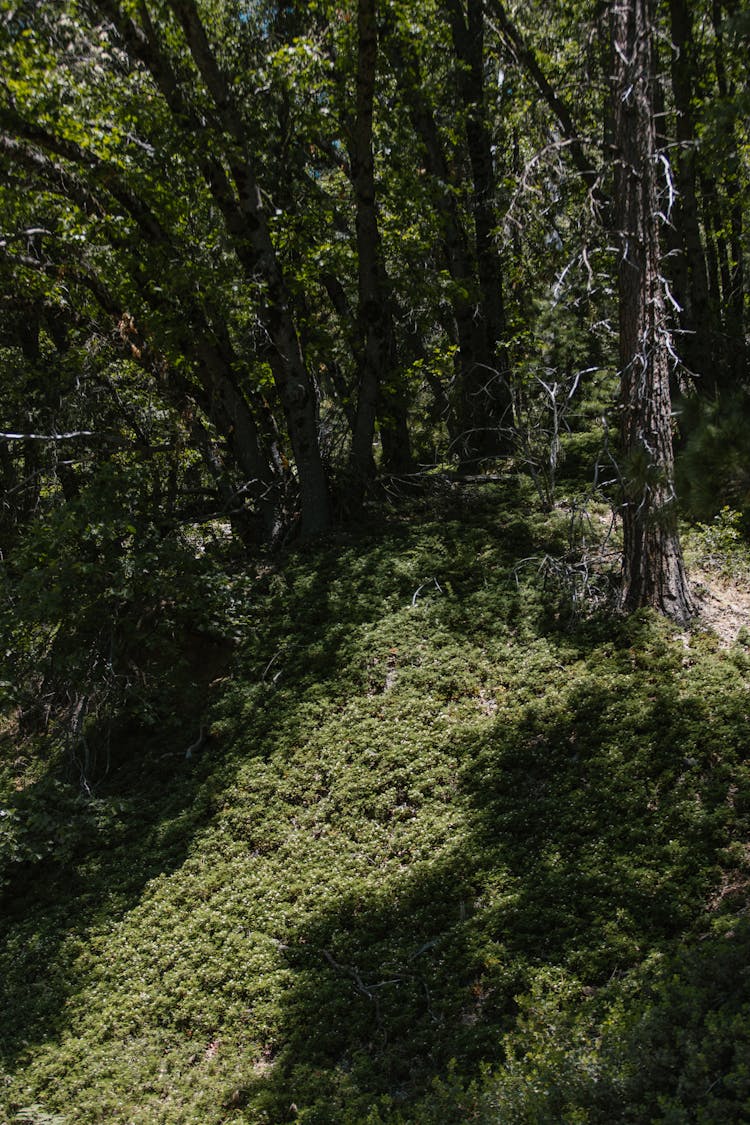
376,345
485,390
241,202
168,93
653,569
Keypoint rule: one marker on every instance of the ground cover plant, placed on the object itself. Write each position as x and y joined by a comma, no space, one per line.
446,854
372,718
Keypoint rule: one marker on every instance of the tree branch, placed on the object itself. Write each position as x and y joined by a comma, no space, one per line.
104,174
526,57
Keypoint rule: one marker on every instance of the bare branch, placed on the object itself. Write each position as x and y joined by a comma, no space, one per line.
526,56
51,437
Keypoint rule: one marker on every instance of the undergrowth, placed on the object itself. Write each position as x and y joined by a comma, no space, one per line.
446,856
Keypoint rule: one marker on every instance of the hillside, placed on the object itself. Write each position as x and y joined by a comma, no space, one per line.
449,853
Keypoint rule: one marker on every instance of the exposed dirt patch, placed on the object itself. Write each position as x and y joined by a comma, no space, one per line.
724,605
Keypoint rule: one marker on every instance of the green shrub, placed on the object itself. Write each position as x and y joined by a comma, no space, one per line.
721,545
431,824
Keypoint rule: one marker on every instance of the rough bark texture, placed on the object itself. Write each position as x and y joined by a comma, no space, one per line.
653,570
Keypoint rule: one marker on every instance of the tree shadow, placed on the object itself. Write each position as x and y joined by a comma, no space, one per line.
596,820
580,828
79,861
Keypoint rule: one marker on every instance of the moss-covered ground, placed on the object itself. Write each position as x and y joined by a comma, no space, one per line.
447,856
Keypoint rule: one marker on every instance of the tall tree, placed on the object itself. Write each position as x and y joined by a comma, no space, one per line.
246,215
377,345
485,390
653,569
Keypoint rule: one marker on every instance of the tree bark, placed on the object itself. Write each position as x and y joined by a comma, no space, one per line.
653,569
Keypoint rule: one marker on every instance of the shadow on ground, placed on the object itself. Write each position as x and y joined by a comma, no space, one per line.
564,804
597,819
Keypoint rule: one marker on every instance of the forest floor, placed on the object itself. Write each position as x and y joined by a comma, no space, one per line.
724,604
450,852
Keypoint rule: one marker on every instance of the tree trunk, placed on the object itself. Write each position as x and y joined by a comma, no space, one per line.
378,397
486,399
653,569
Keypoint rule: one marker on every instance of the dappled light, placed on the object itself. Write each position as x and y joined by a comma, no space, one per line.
425,832
374,562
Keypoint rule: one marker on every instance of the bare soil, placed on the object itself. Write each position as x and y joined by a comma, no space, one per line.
724,605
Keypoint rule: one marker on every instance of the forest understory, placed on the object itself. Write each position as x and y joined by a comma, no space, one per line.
374,562
448,852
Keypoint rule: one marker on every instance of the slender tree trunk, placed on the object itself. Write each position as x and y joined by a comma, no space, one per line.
653,570
486,399
378,396
230,413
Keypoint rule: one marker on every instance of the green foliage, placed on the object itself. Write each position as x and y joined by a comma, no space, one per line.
429,825
721,545
97,594
36,1115
667,1043
451,842
712,466
45,823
